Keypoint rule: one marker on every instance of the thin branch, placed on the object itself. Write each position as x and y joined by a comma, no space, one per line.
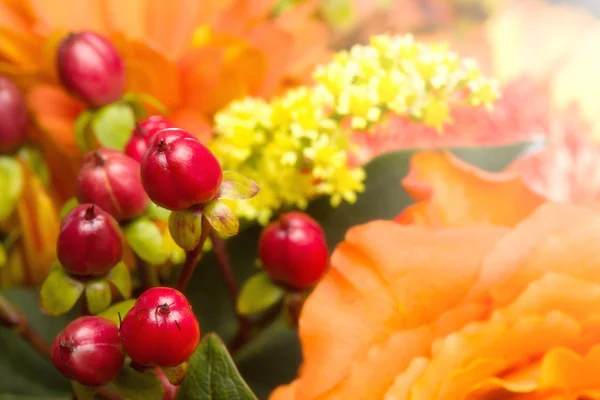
192,258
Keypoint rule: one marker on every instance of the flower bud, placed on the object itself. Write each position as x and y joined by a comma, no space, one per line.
111,180
186,228
90,68
89,351
13,117
89,242
293,250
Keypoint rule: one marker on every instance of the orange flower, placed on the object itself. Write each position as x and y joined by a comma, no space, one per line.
194,56
479,312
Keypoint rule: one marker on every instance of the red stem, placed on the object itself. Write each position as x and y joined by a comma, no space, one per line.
192,258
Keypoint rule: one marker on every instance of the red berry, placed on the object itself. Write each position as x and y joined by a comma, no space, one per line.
170,389
112,181
91,68
161,329
143,133
13,117
89,242
89,351
293,250
178,171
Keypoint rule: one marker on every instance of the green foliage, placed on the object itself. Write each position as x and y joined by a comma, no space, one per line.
186,228
146,240
113,124
60,291
221,218
98,295
84,136
136,385
120,277
237,187
68,206
212,374
258,294
11,182
138,100
112,313
157,213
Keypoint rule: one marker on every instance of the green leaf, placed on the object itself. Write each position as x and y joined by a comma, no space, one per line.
24,372
68,206
122,308
146,240
83,134
120,277
213,375
258,294
221,218
237,187
84,392
139,385
59,291
157,213
11,182
2,255
35,160
113,125
98,295
146,99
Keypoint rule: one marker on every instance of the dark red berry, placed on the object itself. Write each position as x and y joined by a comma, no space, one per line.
161,329
293,250
143,133
13,117
169,389
89,242
89,351
90,67
111,180
178,171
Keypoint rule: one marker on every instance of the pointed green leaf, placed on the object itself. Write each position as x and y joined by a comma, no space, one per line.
59,292
146,240
237,187
146,99
11,182
113,125
98,295
84,392
136,385
83,134
122,308
157,212
186,228
68,206
212,374
221,218
258,294
121,278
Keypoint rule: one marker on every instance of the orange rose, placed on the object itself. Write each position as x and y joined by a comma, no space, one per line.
480,311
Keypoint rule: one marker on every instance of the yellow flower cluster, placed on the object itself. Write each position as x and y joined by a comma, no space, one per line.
296,146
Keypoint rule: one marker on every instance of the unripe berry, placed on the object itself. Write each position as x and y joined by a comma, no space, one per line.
90,68
111,180
13,117
293,250
143,133
161,329
89,242
89,351
178,171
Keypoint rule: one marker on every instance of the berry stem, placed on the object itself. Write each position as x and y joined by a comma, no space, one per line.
192,258
220,248
10,318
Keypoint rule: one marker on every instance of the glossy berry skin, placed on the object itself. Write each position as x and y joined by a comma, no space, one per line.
293,250
178,171
161,329
13,117
143,133
111,180
91,69
169,389
89,242
89,351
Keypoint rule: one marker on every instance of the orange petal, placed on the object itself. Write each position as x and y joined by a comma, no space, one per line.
72,15
380,296
200,69
192,121
451,192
